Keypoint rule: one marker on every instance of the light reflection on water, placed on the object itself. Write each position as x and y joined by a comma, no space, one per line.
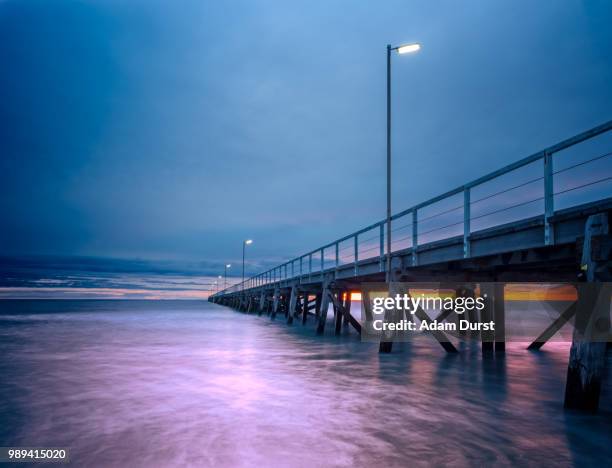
131,383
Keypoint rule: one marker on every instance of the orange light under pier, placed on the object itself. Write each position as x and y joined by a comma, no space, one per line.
514,292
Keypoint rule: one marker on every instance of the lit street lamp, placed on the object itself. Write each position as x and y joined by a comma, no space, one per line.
244,244
402,49
225,283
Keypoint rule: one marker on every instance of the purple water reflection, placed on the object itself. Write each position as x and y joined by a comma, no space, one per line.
167,383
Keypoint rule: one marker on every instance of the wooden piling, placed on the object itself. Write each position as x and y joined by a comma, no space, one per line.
592,325
318,301
305,306
386,339
292,304
366,303
588,356
262,302
347,309
338,312
275,303
325,298
553,327
499,317
487,337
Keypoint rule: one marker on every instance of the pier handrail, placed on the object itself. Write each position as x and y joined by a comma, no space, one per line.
280,272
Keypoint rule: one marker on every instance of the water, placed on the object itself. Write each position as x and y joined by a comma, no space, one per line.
176,383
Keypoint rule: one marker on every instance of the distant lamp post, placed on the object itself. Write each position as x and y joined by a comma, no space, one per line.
225,282
244,244
216,288
402,49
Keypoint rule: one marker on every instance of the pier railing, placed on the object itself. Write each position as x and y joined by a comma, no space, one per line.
539,184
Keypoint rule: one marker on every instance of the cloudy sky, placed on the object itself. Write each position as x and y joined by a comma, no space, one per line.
171,130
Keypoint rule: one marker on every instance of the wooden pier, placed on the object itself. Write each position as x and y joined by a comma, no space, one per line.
566,245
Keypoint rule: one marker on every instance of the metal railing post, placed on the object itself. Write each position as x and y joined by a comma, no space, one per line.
309,267
356,240
337,262
337,255
415,237
322,261
466,223
549,199
381,229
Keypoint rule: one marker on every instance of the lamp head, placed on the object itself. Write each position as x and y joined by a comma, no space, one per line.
408,48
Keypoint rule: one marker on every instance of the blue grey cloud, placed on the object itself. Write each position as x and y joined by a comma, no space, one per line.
173,130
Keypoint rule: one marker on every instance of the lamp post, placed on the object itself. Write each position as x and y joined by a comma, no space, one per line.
225,281
244,244
402,49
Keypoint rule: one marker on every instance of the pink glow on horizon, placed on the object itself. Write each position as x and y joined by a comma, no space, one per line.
100,293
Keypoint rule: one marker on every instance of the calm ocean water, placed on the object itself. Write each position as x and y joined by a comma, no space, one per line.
178,383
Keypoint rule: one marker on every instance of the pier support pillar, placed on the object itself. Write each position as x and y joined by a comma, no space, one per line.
592,324
275,303
366,303
325,298
262,302
318,300
347,309
338,311
499,317
486,315
466,290
305,306
386,339
588,352
292,304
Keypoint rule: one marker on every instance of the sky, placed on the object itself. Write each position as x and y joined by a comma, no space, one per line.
166,132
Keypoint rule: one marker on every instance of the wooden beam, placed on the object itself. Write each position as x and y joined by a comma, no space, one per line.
346,312
437,334
553,327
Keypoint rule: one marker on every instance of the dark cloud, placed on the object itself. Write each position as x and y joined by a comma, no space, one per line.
173,130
